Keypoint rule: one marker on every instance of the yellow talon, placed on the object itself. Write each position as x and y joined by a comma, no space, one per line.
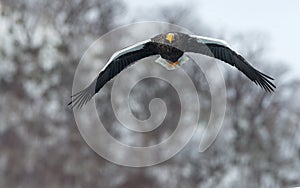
173,64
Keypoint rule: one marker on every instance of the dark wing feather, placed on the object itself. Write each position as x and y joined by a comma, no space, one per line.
226,54
115,65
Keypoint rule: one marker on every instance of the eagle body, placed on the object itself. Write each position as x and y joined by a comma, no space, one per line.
171,48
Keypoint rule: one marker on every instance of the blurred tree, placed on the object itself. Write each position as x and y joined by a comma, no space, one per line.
41,44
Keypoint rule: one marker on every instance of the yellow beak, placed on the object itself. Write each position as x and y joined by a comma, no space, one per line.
170,37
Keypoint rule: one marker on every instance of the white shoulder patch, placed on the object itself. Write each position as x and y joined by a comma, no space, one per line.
207,40
128,49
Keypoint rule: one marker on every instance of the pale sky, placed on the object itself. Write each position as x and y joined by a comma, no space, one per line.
279,20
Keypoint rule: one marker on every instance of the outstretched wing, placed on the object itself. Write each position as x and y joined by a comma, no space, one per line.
221,50
119,61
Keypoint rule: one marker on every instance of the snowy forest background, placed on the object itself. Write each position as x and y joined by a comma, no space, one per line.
41,43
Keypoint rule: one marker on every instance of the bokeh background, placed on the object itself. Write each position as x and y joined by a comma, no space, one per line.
41,43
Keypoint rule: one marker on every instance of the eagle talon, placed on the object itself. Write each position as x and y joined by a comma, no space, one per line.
173,64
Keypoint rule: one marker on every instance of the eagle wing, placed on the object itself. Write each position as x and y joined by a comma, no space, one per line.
221,50
118,62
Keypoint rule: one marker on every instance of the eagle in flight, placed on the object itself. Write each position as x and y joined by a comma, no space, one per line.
171,48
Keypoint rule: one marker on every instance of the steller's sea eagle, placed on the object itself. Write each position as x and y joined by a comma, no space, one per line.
171,48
